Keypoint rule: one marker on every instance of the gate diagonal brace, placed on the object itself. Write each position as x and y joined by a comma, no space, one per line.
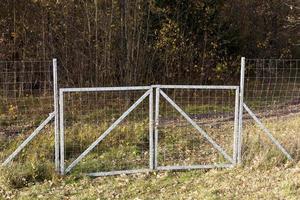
118,121
200,130
267,132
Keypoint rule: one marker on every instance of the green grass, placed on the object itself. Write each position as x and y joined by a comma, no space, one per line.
265,173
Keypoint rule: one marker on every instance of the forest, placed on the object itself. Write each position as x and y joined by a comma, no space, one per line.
142,42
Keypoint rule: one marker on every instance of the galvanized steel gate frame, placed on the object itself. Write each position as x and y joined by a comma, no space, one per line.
231,159
153,127
148,93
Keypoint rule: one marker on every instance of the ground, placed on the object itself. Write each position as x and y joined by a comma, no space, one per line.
257,182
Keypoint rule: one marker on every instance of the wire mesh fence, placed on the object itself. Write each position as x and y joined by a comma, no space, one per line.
26,96
272,93
112,130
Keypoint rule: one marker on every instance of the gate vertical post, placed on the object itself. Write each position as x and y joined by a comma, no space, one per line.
241,109
151,146
157,94
56,120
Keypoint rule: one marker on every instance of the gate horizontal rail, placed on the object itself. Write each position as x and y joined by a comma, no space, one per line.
102,89
212,87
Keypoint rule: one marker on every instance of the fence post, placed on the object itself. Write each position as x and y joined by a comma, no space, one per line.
61,132
236,125
56,120
240,138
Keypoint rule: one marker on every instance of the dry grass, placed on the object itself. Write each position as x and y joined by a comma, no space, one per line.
237,183
265,174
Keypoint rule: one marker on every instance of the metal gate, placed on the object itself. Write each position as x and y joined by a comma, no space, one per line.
128,149
209,122
89,128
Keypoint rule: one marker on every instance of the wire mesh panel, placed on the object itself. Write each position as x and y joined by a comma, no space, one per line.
26,100
196,126
105,130
272,96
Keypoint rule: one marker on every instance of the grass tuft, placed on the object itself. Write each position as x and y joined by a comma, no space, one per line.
17,176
